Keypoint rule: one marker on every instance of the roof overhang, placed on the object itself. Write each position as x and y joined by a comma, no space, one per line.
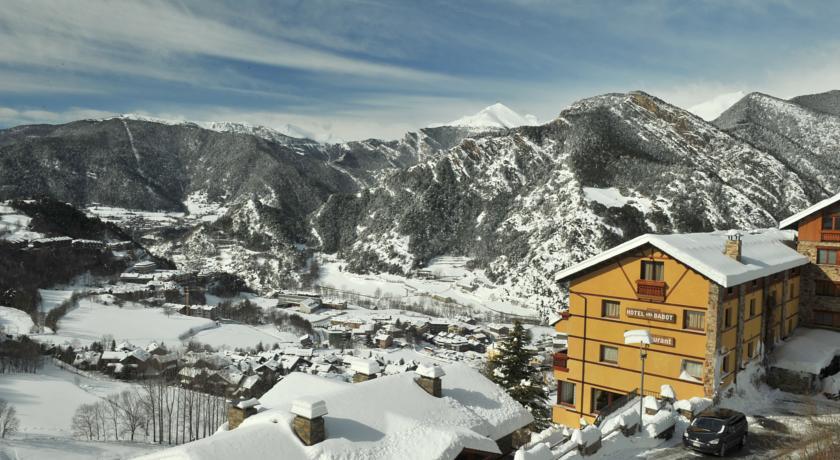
794,219
683,256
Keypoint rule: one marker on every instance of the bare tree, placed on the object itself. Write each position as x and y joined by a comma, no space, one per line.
84,422
114,412
133,414
9,422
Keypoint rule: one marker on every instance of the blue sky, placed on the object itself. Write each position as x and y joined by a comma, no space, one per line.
356,69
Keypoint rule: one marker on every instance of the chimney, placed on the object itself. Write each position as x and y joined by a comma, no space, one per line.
239,411
364,370
309,420
430,379
733,245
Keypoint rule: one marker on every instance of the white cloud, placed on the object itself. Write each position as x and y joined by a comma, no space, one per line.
160,40
711,109
12,117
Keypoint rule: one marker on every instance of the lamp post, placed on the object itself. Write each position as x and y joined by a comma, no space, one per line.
642,337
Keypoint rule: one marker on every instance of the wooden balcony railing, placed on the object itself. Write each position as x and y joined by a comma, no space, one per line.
831,236
561,361
651,290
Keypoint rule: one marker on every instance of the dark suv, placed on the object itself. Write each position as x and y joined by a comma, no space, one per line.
716,431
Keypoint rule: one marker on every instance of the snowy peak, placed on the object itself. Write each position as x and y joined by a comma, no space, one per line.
496,116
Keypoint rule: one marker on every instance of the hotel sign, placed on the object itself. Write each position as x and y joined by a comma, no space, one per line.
662,340
651,315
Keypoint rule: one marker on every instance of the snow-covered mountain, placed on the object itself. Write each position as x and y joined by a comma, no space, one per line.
804,139
518,203
496,116
525,203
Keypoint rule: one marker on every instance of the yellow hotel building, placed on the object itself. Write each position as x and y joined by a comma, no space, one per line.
711,302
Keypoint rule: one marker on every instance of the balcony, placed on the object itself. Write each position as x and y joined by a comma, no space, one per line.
561,361
831,236
651,290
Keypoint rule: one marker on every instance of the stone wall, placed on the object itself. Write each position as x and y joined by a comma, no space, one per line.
713,337
792,381
809,300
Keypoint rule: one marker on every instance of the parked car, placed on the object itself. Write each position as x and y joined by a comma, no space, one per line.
716,431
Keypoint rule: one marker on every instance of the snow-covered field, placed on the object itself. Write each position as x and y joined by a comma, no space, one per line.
14,225
230,336
98,316
45,403
47,400
468,289
14,321
55,448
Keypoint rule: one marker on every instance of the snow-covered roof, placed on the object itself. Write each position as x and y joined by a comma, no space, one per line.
384,418
794,219
763,253
808,350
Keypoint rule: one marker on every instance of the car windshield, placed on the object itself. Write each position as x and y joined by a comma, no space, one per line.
712,425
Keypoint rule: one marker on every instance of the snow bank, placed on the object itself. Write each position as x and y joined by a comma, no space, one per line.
540,451
552,436
667,391
586,436
693,405
657,424
831,384
808,350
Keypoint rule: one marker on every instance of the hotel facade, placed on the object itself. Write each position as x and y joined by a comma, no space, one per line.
712,302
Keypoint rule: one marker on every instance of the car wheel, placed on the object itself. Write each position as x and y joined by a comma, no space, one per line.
743,441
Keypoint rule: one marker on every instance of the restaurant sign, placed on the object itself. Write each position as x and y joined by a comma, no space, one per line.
651,315
662,340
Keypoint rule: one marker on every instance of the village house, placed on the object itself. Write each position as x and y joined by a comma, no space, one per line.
436,412
712,302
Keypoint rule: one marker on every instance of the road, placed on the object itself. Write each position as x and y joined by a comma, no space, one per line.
771,435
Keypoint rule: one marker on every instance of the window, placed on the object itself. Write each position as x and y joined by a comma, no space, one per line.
602,399
653,271
566,393
753,312
751,349
695,320
692,368
727,318
831,223
827,288
609,354
827,256
726,363
771,298
610,309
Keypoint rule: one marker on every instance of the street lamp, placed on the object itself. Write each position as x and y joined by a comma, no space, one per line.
642,337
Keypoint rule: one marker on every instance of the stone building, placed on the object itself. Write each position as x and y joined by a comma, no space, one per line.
819,239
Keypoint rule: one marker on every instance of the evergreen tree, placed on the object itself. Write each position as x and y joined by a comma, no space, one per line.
511,369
